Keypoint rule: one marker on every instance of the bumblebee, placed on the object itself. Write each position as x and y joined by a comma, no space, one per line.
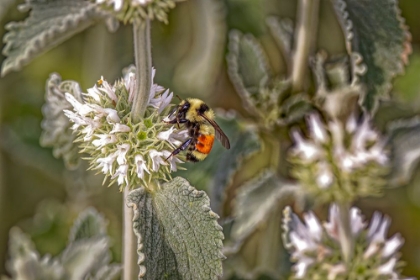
198,118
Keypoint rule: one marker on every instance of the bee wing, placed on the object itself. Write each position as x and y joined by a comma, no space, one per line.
220,135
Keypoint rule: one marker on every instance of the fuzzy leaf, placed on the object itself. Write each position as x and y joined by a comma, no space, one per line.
107,272
404,139
89,224
49,24
282,32
257,199
156,258
245,142
248,67
81,257
376,31
191,229
25,262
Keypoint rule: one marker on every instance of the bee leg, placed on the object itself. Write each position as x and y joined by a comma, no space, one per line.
181,148
177,121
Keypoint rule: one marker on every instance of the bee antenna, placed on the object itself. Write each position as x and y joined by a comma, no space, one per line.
180,99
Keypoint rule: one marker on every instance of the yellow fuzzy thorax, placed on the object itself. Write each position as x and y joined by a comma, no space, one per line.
192,115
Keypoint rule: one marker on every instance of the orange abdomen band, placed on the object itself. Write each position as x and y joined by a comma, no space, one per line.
204,143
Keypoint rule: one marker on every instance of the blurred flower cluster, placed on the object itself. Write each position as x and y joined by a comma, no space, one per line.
339,161
136,11
316,248
127,152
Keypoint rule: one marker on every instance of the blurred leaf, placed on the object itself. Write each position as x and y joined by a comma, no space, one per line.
336,94
404,138
248,67
376,31
56,132
107,272
25,262
89,224
282,32
83,256
191,229
245,142
49,24
156,258
257,199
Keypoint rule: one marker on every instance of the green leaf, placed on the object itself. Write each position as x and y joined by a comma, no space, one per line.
376,31
156,258
248,67
82,257
89,224
191,229
25,262
245,142
282,32
49,24
404,138
107,272
257,199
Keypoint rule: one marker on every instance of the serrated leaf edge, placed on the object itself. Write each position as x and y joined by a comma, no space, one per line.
40,42
136,214
358,67
235,36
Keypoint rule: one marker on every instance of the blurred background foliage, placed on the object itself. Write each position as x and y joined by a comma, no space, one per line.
40,196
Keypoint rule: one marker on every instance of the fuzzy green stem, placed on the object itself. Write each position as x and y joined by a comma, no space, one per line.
344,232
305,38
129,242
143,59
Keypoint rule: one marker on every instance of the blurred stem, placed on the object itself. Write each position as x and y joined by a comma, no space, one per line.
305,37
344,231
129,256
143,59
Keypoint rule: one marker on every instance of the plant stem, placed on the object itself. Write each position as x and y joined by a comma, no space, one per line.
129,256
344,231
305,37
143,59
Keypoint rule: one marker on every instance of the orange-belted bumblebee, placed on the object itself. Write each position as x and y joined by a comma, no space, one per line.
198,118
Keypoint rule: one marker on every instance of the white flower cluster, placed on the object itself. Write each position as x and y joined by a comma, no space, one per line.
137,11
316,249
118,4
55,125
339,158
129,153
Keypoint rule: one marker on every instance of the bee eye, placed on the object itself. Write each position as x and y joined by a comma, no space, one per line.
203,108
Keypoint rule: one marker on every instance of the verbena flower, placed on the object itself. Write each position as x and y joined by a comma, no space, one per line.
128,153
138,10
315,248
339,162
